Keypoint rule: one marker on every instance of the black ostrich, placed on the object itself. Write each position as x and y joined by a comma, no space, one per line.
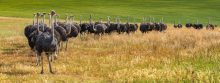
91,25
188,24
128,27
75,29
147,27
197,25
122,28
112,27
108,24
133,27
99,28
179,25
28,30
62,30
160,26
46,42
210,26
175,25
31,30
71,29
84,27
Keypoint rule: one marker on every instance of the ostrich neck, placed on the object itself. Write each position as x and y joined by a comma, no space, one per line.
43,23
34,20
56,21
52,26
38,24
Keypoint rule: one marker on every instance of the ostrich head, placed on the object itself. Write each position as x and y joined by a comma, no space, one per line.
53,12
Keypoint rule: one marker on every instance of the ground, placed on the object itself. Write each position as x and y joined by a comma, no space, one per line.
185,55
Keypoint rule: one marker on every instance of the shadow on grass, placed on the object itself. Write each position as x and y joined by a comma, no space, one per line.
14,49
16,73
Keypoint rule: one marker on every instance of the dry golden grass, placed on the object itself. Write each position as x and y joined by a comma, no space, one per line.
185,55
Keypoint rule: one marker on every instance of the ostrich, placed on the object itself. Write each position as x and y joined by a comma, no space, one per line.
146,27
175,25
28,30
78,28
128,27
188,24
134,26
63,32
91,25
108,24
84,27
198,25
179,24
99,28
160,26
111,27
122,27
210,26
143,26
46,42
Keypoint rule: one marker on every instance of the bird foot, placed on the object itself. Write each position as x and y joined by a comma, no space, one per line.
42,72
52,72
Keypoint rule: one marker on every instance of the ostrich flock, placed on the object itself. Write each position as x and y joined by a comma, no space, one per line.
50,38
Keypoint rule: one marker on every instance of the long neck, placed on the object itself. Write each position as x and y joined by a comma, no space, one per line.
90,19
67,19
134,20
34,19
100,20
50,21
52,24
43,23
80,21
108,20
55,21
71,20
209,21
128,20
153,19
38,29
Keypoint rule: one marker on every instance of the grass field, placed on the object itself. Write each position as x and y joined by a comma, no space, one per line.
185,55
169,9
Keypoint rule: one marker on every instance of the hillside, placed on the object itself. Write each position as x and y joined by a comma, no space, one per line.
169,9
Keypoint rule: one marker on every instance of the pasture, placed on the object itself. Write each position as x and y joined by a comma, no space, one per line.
169,9
186,55
175,55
